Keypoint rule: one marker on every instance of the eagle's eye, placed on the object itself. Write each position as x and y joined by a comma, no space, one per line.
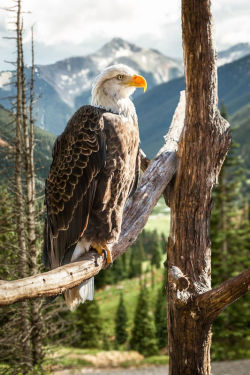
120,77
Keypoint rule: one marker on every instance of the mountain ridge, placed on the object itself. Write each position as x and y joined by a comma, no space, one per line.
64,86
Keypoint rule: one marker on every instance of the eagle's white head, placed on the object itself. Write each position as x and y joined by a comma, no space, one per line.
113,87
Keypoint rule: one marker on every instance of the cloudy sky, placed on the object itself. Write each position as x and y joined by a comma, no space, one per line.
65,28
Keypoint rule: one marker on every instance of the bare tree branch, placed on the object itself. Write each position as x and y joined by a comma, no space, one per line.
137,211
214,301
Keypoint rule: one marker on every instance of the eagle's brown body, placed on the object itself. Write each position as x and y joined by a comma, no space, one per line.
95,167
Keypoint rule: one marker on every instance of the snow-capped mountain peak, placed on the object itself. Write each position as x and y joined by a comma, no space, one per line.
72,78
233,53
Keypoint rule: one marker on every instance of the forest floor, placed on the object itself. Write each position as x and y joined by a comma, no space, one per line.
240,367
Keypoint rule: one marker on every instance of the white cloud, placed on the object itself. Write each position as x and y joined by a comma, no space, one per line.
78,27
232,22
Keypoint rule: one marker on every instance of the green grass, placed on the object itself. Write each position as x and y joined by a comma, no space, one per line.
67,357
156,360
150,361
69,350
160,223
68,362
159,219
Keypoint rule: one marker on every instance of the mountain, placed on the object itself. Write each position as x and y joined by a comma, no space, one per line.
156,107
72,78
233,53
44,142
66,85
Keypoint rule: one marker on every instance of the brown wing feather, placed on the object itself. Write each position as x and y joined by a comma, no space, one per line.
135,181
78,157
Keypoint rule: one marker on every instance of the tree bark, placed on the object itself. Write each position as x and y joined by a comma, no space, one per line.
202,149
28,130
20,223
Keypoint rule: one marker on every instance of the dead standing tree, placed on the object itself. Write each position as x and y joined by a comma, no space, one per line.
20,210
192,305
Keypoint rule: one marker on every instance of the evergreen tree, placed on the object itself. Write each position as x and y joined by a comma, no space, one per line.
105,342
161,319
163,243
88,324
148,240
121,321
143,334
133,262
155,256
103,278
156,252
117,270
230,254
141,256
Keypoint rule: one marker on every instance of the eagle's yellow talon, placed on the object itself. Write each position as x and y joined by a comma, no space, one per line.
103,250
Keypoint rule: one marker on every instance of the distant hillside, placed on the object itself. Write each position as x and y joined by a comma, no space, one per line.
156,107
44,143
241,120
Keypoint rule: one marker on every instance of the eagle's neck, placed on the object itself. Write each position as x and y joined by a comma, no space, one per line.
110,102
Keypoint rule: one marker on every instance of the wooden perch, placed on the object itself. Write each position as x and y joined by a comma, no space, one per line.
158,174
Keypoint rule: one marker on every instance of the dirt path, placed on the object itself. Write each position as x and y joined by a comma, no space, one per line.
218,368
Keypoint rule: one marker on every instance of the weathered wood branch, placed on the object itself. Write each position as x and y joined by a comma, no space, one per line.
136,213
52,282
213,302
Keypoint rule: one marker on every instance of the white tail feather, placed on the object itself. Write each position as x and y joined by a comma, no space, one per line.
79,294
84,291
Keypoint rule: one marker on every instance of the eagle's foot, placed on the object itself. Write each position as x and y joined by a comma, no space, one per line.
102,249
108,257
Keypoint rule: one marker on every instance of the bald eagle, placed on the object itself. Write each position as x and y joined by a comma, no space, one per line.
95,168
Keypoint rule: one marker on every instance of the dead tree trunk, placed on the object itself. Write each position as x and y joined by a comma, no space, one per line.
202,150
28,148
20,221
36,315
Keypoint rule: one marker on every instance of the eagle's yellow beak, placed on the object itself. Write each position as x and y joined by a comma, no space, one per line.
138,81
